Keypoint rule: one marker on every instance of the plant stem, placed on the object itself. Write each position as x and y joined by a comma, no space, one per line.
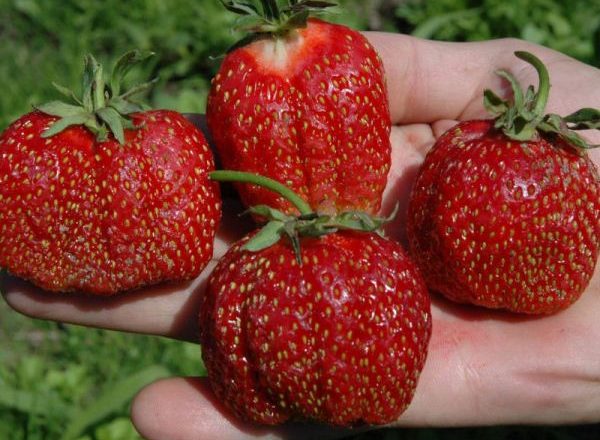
97,84
544,81
265,182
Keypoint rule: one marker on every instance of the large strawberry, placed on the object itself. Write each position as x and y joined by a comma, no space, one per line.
99,196
303,102
505,212
331,323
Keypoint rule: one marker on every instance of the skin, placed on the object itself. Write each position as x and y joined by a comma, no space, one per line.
484,367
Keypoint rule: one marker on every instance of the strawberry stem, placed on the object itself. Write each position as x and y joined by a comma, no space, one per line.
307,224
265,182
524,119
541,97
97,82
103,109
272,18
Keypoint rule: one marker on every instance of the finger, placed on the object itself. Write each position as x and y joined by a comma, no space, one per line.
165,310
169,309
431,80
410,143
428,81
185,408
440,127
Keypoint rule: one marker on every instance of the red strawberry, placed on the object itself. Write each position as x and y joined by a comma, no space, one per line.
338,337
99,216
303,103
504,213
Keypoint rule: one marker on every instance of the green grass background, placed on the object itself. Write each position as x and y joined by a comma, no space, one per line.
63,381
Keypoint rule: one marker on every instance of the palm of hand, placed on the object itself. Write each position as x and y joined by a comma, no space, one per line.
484,367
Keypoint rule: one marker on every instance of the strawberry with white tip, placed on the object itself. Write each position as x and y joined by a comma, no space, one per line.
304,102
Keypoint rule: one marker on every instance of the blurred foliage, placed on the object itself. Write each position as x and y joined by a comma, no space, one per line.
45,40
68,382
571,27
61,379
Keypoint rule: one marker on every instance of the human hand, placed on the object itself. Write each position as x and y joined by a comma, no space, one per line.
484,367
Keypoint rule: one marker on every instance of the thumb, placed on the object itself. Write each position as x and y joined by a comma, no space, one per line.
430,81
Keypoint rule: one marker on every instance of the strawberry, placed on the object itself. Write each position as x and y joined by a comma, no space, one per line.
332,325
504,213
303,102
100,196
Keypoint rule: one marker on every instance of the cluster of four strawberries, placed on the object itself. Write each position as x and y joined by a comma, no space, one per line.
316,315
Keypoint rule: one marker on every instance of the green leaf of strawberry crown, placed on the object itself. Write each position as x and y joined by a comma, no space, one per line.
523,118
281,225
268,18
102,108
307,224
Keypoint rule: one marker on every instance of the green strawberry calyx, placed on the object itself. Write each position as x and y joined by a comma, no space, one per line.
524,118
103,107
307,224
272,18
